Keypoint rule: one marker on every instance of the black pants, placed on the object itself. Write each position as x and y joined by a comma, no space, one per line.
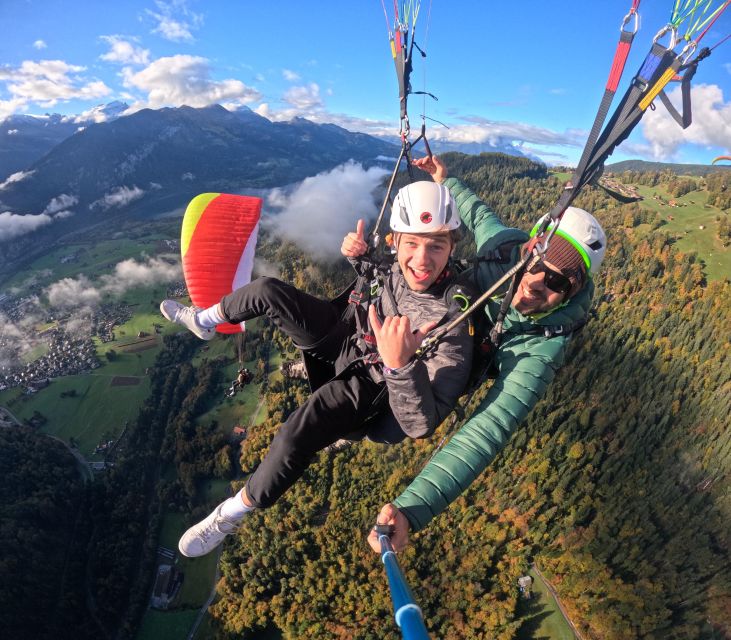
334,410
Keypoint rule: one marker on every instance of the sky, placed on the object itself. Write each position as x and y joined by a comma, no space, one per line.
529,74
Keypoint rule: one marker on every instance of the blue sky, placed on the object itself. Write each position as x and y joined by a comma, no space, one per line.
529,74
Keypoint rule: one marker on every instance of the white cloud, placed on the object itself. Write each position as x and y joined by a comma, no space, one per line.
40,44
175,21
16,177
185,80
305,101
13,225
498,133
264,111
711,122
321,210
59,203
82,293
119,197
14,342
9,107
47,82
304,97
290,76
130,274
70,293
12,132
123,51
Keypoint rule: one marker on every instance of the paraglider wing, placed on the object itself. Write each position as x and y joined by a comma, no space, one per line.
721,158
217,243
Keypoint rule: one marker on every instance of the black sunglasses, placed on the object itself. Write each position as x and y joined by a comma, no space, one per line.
554,280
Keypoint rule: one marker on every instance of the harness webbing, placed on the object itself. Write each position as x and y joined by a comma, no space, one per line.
402,41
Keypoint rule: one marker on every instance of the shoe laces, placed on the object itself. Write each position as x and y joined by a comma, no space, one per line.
216,526
184,312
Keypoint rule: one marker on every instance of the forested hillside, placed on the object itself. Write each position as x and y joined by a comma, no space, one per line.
617,486
43,520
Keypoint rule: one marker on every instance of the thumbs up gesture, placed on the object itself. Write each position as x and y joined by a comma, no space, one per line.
354,244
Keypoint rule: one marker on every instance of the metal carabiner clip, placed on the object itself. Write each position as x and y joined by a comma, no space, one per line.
662,32
687,52
626,20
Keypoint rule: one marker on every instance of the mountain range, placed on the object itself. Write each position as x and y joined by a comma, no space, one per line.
26,139
77,172
170,154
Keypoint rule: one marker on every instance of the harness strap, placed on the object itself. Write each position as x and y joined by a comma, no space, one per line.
556,330
690,69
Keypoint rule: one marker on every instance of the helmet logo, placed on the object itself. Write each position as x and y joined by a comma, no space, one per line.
425,217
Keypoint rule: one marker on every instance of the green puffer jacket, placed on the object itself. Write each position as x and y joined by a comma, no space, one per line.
527,363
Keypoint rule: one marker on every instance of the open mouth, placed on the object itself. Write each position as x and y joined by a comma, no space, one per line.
419,275
529,295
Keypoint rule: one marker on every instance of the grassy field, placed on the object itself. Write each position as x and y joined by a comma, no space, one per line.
166,625
97,412
684,223
176,623
563,176
542,619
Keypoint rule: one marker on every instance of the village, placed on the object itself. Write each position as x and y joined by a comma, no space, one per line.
66,355
63,353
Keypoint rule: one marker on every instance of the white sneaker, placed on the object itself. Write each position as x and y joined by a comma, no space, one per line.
180,314
204,537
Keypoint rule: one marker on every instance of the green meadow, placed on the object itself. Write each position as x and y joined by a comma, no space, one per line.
541,618
166,625
97,412
693,224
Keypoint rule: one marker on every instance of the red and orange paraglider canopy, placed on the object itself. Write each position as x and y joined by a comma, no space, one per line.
217,243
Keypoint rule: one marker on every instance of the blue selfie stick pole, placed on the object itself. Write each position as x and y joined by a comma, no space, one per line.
407,613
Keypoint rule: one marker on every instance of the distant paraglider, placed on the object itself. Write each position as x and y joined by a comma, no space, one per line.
721,159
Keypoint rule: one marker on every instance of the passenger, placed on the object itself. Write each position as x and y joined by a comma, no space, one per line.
373,359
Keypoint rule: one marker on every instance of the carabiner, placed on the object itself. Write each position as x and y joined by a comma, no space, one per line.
626,20
687,51
663,31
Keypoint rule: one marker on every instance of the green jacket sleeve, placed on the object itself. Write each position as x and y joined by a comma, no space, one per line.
527,365
488,230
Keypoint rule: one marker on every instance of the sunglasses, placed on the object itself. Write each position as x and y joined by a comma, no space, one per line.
554,280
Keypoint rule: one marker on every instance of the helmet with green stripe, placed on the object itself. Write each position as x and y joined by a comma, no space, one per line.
585,234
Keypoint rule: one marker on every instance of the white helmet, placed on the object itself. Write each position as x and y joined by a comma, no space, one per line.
424,207
585,234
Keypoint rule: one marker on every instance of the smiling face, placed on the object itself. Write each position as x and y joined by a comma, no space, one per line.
533,296
422,257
